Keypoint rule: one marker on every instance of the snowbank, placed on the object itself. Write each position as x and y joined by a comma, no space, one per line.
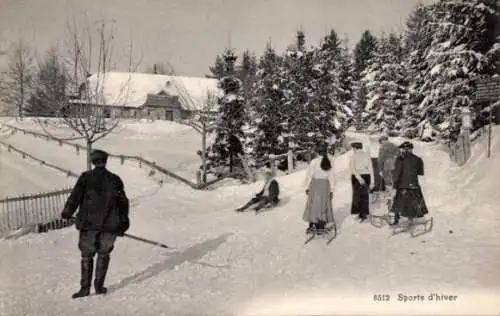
227,263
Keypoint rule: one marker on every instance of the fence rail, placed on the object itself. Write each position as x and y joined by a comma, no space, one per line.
40,212
24,154
123,158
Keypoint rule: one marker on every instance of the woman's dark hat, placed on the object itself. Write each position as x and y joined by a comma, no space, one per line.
406,145
357,145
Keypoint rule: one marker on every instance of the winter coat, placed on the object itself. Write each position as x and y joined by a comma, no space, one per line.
407,169
273,190
387,155
102,202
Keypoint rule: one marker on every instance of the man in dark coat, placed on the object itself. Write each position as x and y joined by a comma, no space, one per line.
409,200
102,216
269,195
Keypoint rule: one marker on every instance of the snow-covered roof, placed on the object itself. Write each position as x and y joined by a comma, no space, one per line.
130,89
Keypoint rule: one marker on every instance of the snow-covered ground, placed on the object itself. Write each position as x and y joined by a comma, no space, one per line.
169,144
225,263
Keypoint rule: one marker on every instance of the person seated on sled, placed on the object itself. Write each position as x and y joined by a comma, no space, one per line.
409,200
268,196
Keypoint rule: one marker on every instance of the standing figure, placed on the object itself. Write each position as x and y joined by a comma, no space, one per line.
409,200
102,216
362,182
387,155
268,196
320,185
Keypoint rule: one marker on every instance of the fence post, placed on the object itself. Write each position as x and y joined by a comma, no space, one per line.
122,160
198,177
290,161
140,162
77,147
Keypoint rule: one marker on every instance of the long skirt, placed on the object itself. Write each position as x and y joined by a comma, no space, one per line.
319,205
409,203
360,196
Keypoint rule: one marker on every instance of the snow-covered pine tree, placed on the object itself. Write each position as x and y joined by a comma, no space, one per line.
327,112
463,32
386,83
416,42
362,56
246,71
230,117
344,67
218,69
264,132
297,75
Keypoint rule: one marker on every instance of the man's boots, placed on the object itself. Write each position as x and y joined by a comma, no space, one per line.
101,269
87,267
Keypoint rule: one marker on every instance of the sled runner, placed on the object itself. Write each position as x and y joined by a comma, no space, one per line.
416,227
328,232
378,199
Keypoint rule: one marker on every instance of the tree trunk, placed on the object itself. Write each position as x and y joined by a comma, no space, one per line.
204,153
89,150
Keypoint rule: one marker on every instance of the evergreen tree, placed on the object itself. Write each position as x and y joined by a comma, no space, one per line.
344,67
297,77
51,79
265,117
417,41
246,72
230,117
328,111
363,53
386,83
362,57
218,69
463,34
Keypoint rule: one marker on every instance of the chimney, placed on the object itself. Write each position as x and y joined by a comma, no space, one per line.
154,69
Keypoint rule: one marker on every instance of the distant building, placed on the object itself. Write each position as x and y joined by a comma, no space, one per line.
151,96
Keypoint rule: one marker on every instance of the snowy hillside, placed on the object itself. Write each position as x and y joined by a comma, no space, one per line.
225,263
170,144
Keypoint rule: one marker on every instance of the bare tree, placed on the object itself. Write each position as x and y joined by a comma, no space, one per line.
18,76
201,116
86,111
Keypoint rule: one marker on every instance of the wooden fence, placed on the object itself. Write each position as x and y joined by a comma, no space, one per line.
137,159
24,154
39,212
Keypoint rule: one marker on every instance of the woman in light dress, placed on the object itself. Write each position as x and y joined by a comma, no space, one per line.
320,185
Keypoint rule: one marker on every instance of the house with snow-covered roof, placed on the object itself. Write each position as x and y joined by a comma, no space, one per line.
152,96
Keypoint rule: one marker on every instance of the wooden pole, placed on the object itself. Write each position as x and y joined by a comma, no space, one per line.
489,130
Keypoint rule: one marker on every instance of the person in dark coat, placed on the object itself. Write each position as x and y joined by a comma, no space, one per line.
102,216
268,196
409,200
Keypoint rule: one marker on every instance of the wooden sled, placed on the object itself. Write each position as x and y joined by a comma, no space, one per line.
416,227
328,232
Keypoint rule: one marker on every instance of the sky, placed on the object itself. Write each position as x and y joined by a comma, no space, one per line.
189,34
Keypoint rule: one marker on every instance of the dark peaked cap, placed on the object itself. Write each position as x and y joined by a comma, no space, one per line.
98,155
407,145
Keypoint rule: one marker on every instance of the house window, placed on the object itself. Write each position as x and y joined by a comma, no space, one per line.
107,113
169,115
